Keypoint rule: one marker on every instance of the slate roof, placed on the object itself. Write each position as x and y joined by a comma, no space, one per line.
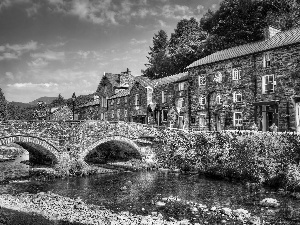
121,93
281,39
171,79
144,81
92,103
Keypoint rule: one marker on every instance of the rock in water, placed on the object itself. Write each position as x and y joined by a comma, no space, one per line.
269,202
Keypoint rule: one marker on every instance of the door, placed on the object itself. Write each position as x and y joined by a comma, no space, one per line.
180,122
298,117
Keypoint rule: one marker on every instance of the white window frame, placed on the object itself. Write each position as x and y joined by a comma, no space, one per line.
112,114
201,80
180,102
265,83
202,120
181,86
162,115
218,99
236,74
202,100
163,97
137,100
235,97
118,113
266,59
237,122
125,113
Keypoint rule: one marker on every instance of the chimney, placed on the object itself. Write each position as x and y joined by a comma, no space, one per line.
269,32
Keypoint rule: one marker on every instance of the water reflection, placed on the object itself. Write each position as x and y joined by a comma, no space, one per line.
13,169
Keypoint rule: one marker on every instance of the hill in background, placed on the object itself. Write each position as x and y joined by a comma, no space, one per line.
48,100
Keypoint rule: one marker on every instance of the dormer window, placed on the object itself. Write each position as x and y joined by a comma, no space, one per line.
236,74
266,59
237,97
202,80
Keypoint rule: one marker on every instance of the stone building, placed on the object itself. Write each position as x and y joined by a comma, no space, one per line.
109,85
117,106
252,85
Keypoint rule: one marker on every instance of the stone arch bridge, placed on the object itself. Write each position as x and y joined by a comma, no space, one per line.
58,140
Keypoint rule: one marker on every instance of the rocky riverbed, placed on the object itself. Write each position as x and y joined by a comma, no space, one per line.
58,208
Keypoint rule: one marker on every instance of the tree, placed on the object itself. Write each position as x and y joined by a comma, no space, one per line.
3,106
158,65
186,44
236,22
58,102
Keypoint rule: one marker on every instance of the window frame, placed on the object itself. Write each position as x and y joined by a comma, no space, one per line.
201,80
137,100
235,94
218,99
236,74
118,114
125,99
181,100
118,101
163,97
112,114
202,118
266,59
237,122
112,102
181,86
202,100
264,84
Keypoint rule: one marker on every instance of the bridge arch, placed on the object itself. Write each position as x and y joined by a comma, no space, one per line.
30,143
104,140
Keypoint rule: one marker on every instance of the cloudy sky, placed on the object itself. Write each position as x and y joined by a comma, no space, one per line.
49,47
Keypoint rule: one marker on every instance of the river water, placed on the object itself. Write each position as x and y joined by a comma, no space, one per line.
147,186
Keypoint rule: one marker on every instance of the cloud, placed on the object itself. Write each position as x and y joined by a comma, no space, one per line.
162,23
133,41
9,75
49,55
38,63
32,45
177,11
8,3
33,10
32,85
89,55
8,55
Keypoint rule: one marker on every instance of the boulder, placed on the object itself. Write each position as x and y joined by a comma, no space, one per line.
269,202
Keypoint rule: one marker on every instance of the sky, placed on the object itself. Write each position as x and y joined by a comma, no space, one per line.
52,47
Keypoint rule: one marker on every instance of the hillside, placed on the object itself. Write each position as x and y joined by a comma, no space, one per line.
48,100
20,104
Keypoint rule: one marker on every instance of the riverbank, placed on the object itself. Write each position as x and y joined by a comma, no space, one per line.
57,208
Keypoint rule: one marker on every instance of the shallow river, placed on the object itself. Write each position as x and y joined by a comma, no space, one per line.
147,186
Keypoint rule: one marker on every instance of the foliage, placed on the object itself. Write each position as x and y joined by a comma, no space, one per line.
159,65
58,102
271,158
3,106
63,113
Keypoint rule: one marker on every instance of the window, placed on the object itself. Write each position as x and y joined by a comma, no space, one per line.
237,119
202,120
218,99
118,101
266,59
268,84
202,79
163,97
164,115
181,86
118,114
237,97
202,100
101,116
112,114
111,102
125,100
137,100
180,102
193,119
236,74
105,102
104,116
125,113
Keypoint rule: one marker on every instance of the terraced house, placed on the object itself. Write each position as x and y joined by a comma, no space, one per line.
252,85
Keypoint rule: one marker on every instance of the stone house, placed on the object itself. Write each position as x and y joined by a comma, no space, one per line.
170,100
117,106
252,85
109,85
